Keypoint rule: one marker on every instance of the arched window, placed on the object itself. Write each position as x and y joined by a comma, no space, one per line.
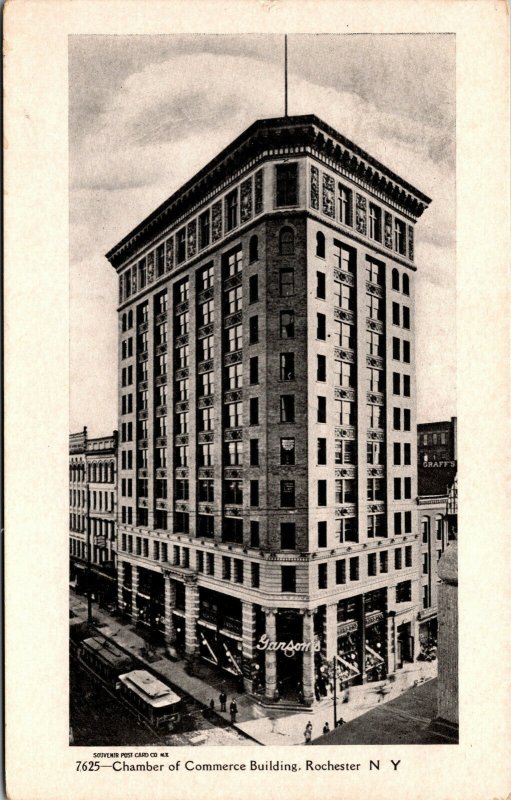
406,284
320,244
287,242
253,249
395,280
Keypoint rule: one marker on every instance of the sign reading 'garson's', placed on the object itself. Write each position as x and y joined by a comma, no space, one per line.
288,648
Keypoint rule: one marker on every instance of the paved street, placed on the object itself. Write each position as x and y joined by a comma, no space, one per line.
265,725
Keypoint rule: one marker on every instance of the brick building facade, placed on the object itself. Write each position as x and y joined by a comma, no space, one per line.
267,451
93,512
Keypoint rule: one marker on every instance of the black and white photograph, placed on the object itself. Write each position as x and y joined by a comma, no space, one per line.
262,455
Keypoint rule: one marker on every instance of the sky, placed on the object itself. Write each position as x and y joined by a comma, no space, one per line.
147,112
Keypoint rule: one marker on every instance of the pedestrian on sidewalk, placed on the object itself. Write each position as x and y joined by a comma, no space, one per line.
233,708
212,704
223,700
326,728
308,733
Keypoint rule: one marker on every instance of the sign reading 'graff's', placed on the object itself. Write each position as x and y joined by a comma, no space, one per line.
288,648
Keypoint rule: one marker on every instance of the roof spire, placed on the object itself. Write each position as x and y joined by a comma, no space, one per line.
285,74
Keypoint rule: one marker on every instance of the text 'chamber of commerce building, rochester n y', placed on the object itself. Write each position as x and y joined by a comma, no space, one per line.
267,517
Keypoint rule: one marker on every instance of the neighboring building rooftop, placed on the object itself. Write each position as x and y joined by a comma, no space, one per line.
307,132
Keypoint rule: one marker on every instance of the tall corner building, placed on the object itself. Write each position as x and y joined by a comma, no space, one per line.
268,451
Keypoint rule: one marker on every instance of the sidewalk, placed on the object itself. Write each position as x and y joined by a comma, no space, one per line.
266,725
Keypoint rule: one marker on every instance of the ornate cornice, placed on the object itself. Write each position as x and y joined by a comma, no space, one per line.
303,135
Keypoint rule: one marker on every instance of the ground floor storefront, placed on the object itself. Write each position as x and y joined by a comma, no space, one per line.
275,653
99,579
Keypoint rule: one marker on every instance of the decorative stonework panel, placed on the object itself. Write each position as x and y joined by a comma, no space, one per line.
388,229
169,254
361,215
233,281
206,295
192,238
216,221
374,325
181,439
328,196
234,319
205,366
206,472
314,199
344,316
182,374
246,200
150,267
134,280
345,432
374,361
410,243
345,472
371,288
181,407
233,396
258,191
233,435
206,437
375,436
344,277
344,394
233,358
181,472
181,307
206,402
232,473
206,330
181,340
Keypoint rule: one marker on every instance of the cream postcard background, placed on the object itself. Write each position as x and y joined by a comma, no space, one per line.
40,764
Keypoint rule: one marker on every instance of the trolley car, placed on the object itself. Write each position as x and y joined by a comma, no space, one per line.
151,699
104,660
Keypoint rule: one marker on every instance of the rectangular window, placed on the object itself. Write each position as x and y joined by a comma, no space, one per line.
287,451
322,493
425,564
406,419
204,230
354,569
396,315
321,327
254,533
404,592
287,324
286,179
406,352
226,568
231,210
340,571
234,338
321,368
253,329
371,564
206,491
253,289
287,282
397,523
345,205
408,555
396,383
287,408
238,570
398,560
254,493
407,450
287,494
288,579
254,452
397,453
287,366
375,222
344,374
406,385
408,488
397,488
408,521
406,318
321,451
397,419
396,348
254,370
254,411
384,561
322,576
321,285
232,263
321,409
322,534
399,236
287,535
210,559
374,272
254,575
181,246
234,300
234,454
235,376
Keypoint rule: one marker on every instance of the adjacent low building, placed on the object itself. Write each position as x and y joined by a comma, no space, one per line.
93,513
437,509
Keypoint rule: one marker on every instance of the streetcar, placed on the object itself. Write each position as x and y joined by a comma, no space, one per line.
106,661
151,699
